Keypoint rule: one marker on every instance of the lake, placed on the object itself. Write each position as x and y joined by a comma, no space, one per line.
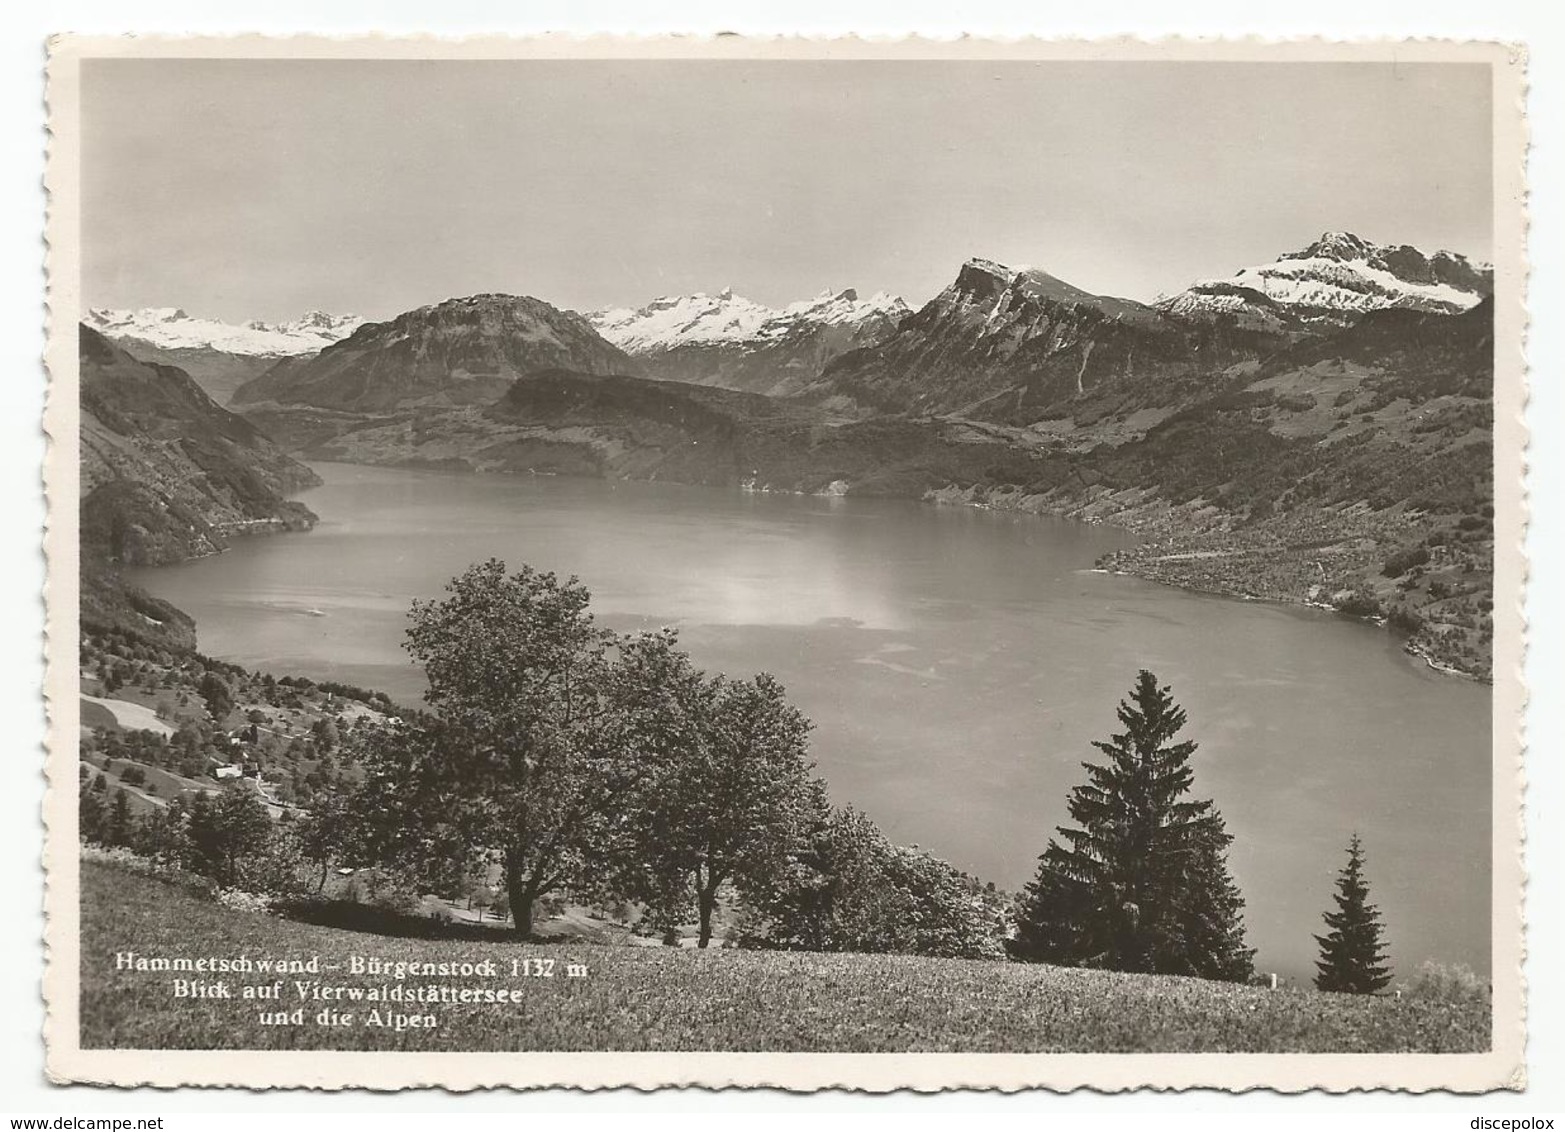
957,664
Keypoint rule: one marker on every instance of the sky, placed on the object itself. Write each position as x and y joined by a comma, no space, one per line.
244,189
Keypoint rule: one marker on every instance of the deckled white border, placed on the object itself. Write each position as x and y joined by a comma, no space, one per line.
1502,1067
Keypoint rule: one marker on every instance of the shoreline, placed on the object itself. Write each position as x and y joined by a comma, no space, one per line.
1143,533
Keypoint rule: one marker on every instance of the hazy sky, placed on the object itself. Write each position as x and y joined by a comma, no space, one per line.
259,189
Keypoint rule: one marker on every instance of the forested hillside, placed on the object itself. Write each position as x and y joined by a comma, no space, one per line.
166,473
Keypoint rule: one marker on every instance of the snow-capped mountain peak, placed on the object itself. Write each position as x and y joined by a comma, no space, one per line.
671,320
339,324
726,319
837,308
734,342
171,328
1337,278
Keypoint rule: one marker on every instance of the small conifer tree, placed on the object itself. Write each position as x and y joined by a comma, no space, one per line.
119,820
91,816
1352,955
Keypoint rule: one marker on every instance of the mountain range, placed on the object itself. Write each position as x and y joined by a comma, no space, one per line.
1291,432
219,356
1017,345
1000,342
461,351
735,343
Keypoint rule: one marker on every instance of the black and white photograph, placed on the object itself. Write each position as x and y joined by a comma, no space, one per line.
752,553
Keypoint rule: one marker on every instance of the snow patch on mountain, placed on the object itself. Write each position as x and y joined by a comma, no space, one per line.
1339,275
171,328
1320,282
1001,271
670,321
726,319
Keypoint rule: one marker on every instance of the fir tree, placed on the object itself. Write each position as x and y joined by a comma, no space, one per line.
118,822
1352,954
90,816
1142,883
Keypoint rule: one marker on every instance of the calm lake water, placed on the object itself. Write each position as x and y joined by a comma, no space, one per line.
957,663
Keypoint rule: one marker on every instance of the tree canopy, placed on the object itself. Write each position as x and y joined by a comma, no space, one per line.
850,889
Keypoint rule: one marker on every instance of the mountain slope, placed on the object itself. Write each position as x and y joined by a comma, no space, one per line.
1354,470
729,998
461,351
1011,345
218,355
166,473
729,341
555,422
1337,279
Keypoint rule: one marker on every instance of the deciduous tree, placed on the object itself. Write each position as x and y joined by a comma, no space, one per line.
325,835
730,799
542,727
849,888
219,699
223,833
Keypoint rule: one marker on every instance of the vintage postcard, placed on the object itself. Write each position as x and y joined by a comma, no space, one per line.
807,563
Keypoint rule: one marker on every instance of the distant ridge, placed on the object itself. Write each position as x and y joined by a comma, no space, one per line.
729,341
461,351
171,328
220,356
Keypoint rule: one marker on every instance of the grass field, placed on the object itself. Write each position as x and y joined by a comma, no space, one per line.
666,999
100,712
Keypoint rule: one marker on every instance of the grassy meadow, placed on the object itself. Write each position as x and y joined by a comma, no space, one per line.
636,998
